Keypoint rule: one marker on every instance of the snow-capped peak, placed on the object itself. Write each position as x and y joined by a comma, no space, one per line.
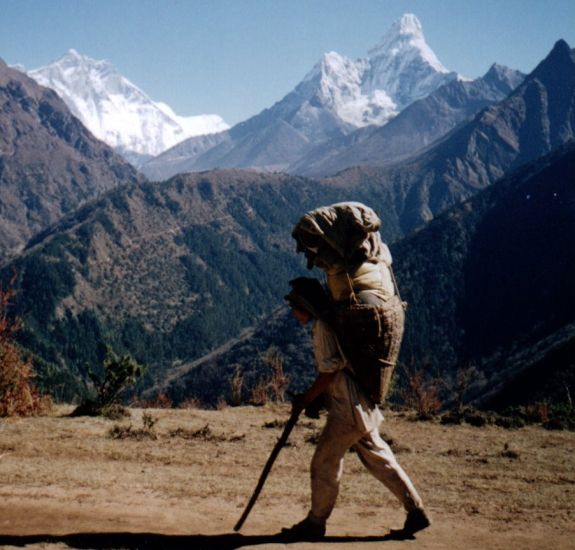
407,27
117,111
409,24
400,69
406,37
332,74
404,65
197,125
405,30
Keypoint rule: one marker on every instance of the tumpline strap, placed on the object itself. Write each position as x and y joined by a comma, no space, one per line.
395,283
352,293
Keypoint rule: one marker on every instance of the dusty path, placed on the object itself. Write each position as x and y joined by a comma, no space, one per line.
66,483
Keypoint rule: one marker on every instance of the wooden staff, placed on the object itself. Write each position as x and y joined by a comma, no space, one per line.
280,443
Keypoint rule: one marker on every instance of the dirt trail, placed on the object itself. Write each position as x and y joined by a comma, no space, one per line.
65,482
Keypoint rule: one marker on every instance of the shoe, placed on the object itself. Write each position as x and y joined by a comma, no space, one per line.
304,530
416,520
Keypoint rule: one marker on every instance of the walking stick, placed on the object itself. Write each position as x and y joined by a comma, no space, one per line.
265,472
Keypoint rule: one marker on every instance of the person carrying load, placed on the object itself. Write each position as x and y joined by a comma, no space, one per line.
357,330
344,241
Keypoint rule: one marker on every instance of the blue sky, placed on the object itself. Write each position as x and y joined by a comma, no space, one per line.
237,57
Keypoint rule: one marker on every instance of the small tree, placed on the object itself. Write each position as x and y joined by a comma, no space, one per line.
278,381
271,389
18,395
420,392
119,374
236,385
461,383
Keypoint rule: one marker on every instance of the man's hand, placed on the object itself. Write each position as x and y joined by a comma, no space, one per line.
313,409
302,400
298,403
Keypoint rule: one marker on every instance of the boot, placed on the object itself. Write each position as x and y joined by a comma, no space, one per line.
306,530
416,520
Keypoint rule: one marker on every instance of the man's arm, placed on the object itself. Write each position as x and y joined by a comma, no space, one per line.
329,362
321,383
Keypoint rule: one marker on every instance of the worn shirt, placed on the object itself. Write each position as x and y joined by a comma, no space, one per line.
347,399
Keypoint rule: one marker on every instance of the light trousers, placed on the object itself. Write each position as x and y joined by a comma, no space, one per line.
337,437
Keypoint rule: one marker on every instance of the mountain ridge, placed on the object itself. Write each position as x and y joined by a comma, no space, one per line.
458,314
169,270
117,111
416,127
336,97
50,163
499,139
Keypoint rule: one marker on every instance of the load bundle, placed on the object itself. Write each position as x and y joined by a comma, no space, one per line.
368,315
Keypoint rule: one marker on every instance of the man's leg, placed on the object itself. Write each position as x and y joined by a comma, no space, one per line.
327,466
379,459
326,470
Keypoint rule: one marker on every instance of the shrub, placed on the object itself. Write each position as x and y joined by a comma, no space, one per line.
510,422
18,395
119,374
259,393
451,417
278,382
192,403
115,411
476,418
161,401
273,387
538,412
420,393
236,384
204,434
552,416
459,384
147,431
561,416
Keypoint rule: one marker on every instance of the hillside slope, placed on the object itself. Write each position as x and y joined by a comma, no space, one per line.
166,271
488,284
49,162
538,117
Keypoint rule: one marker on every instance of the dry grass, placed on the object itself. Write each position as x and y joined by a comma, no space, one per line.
485,487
